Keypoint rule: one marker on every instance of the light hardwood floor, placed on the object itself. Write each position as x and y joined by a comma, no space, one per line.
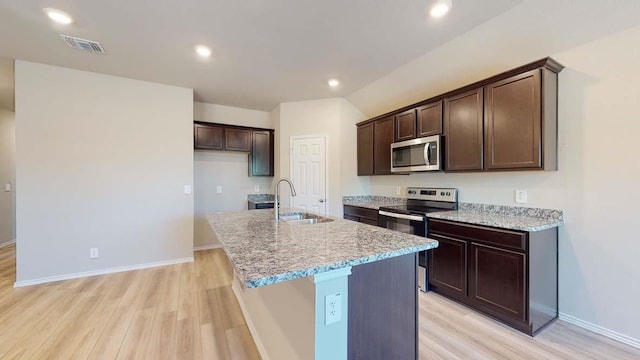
185,311
188,311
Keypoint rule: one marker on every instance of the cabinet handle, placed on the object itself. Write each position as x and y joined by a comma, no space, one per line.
321,200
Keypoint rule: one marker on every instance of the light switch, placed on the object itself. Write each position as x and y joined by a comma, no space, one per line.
256,188
7,187
187,189
219,189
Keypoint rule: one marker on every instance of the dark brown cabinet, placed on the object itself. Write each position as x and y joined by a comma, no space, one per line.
209,137
509,275
259,143
405,125
463,131
514,122
237,139
429,119
497,280
448,267
383,136
365,149
261,159
360,214
505,122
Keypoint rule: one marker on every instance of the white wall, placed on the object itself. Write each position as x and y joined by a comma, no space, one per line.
102,161
323,117
7,176
227,169
599,173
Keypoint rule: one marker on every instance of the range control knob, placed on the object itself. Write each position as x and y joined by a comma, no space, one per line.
442,193
448,193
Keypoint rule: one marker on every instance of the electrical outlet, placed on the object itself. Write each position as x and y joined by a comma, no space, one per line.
7,187
93,253
187,189
521,196
256,188
219,189
398,190
332,308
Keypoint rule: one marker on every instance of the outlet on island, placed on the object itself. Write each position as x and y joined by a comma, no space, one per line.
93,253
333,308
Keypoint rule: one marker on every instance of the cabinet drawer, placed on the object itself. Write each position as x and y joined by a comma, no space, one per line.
369,221
508,239
371,214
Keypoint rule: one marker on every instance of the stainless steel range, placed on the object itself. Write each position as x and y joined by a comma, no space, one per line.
411,218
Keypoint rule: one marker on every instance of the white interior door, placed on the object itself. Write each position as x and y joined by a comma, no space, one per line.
309,173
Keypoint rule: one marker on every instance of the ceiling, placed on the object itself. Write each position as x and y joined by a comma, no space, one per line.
264,52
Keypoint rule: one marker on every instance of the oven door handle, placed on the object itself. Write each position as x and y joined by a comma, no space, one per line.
401,216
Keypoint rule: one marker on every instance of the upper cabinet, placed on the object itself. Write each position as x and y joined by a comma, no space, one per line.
429,119
209,137
382,140
463,131
259,143
365,149
237,139
405,125
506,122
261,158
517,112
374,147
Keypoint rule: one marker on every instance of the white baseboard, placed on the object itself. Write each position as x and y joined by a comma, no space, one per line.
235,287
207,247
7,243
49,279
600,330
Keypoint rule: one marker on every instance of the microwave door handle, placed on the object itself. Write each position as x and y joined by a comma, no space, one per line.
427,153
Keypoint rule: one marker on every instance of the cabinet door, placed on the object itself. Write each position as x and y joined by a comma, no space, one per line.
513,123
209,137
261,158
237,139
406,125
382,140
365,149
448,267
497,281
430,119
463,131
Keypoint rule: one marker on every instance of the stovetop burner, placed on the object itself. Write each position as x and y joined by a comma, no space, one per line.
421,201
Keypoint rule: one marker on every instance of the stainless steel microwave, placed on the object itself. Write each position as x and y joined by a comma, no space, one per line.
422,154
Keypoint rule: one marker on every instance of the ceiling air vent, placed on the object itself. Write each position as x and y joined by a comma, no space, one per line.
83,44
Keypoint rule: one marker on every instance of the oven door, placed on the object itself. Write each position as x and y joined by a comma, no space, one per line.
408,224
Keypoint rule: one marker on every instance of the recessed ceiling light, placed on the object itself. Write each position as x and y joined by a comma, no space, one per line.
333,83
58,16
203,51
440,8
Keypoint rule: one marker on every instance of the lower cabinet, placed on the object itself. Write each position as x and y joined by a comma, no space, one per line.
448,267
509,275
360,214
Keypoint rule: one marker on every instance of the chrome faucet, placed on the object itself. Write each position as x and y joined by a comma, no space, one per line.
275,201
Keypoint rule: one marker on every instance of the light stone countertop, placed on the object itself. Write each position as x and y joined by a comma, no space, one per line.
263,253
372,202
505,217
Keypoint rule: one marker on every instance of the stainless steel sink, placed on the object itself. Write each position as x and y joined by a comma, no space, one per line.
301,218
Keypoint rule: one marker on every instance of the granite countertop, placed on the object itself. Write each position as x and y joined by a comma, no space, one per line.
263,252
372,202
505,217
261,198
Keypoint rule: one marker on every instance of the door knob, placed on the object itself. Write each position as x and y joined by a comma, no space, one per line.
321,200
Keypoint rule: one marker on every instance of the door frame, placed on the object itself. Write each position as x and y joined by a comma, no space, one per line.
326,162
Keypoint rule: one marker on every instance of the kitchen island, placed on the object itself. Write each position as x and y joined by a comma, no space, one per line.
332,290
